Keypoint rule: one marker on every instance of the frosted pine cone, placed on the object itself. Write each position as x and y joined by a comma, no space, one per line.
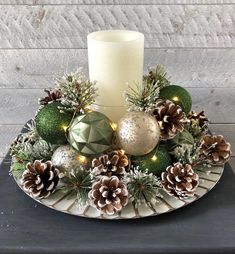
113,163
40,179
214,149
198,123
52,95
170,118
180,181
109,194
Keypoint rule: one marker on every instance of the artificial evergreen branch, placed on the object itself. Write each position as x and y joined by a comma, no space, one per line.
157,76
186,153
78,182
190,154
142,97
77,92
142,186
28,147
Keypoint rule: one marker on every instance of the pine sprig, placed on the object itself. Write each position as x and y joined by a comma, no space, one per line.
186,153
142,97
78,182
142,186
157,76
77,92
23,139
190,154
28,147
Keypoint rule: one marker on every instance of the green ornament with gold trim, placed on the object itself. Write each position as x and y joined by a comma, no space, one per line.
156,162
51,124
178,95
91,133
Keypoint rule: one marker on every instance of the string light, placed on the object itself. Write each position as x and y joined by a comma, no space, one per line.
114,126
88,109
175,98
64,127
154,158
82,159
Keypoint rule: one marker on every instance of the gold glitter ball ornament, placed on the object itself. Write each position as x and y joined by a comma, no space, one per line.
138,133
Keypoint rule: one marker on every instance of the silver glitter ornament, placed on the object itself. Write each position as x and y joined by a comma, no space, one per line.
65,158
138,133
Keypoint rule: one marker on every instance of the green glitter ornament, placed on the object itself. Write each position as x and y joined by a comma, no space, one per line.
51,124
178,95
156,162
91,133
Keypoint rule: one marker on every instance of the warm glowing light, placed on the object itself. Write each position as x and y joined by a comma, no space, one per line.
88,109
114,126
82,159
175,98
154,158
64,127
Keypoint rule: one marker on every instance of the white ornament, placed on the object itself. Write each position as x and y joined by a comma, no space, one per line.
138,133
65,158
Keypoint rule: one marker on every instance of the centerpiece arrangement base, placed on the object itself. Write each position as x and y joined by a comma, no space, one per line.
66,203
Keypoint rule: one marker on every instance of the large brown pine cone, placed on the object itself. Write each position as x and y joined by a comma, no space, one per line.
170,118
214,149
40,179
113,163
52,95
109,194
180,181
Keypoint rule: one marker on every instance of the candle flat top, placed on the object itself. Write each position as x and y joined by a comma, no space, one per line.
115,36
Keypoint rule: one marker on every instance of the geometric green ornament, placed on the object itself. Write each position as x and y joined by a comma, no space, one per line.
91,133
178,95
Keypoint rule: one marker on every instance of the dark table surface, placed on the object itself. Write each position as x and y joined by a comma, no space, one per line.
206,226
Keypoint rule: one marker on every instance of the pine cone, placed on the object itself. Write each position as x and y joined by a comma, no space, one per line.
52,95
198,123
109,194
22,139
40,179
214,149
180,181
170,118
113,163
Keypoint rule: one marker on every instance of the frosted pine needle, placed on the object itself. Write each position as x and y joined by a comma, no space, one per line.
157,76
142,97
78,182
142,186
77,92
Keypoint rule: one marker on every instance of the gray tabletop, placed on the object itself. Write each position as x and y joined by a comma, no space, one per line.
206,226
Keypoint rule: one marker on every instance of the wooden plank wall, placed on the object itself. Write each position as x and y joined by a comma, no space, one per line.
40,39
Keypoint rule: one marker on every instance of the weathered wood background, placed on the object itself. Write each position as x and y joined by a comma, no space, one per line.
40,39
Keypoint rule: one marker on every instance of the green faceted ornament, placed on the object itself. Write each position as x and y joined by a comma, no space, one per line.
156,162
91,133
178,95
51,124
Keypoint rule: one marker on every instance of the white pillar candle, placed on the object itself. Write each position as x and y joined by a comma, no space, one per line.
115,60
